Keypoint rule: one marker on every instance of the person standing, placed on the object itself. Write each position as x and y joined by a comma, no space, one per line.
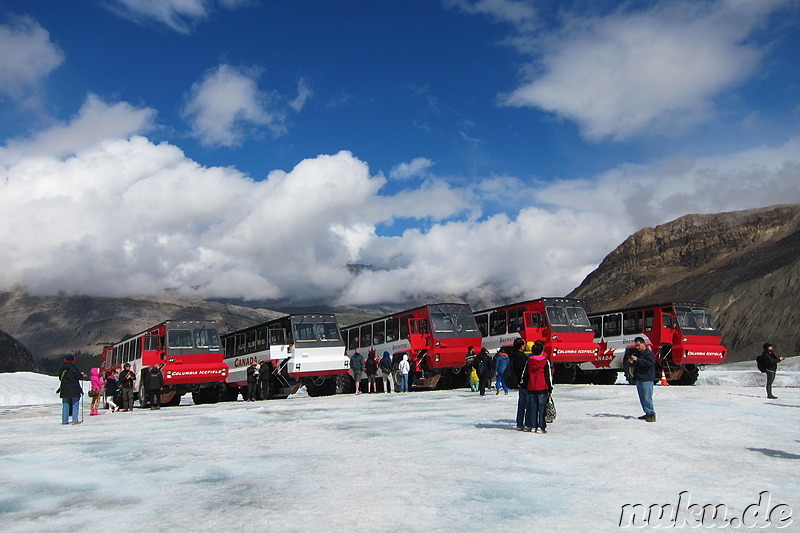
357,368
264,373
70,390
111,391
469,359
537,381
96,391
483,366
252,382
519,360
644,373
387,367
127,380
405,368
500,365
771,360
474,380
371,368
155,382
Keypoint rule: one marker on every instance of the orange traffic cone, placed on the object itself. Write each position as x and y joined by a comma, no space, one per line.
664,379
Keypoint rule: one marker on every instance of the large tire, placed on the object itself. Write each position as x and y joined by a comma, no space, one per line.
688,377
345,384
143,396
316,387
565,373
627,367
605,377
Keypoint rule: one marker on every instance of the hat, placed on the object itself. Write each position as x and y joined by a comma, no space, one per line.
767,345
69,358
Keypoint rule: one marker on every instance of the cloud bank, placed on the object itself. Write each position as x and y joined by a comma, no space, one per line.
105,211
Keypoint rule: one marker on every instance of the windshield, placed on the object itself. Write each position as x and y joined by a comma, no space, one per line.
328,331
454,319
206,338
568,316
316,331
179,338
695,318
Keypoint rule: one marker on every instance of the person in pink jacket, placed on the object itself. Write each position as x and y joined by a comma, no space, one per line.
97,390
537,380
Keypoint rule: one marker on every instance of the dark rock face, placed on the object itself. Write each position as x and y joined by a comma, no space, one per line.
14,357
745,265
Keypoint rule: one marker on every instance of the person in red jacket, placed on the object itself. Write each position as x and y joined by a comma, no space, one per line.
537,381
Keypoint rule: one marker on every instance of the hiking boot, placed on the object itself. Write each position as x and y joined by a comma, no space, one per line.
772,397
643,417
520,428
650,418
542,431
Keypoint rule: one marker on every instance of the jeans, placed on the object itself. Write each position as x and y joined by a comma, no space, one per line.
770,380
522,407
404,383
69,406
537,402
501,381
645,390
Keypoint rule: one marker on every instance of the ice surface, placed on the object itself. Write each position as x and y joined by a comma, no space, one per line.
423,461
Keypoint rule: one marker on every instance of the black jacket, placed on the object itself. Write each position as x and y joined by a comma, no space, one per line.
70,378
770,361
519,361
644,369
155,379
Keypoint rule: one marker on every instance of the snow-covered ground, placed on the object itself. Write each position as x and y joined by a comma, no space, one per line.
440,460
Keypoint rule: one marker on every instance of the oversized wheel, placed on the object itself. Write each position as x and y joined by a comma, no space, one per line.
320,386
143,399
565,373
688,377
345,384
605,377
627,367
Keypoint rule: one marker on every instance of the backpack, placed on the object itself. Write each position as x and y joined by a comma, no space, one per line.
386,365
760,363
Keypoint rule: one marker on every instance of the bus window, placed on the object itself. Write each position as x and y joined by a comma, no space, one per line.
366,335
577,317
498,323
515,319
483,324
277,336
250,339
703,318
686,318
378,332
392,330
597,326
404,325
304,332
206,338
557,316
669,321
612,325
648,320
327,331
632,323
261,338
179,338
535,320
352,339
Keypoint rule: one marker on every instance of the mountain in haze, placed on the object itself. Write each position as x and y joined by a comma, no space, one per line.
52,326
744,265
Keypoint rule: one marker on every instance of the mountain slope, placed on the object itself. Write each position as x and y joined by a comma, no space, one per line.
745,265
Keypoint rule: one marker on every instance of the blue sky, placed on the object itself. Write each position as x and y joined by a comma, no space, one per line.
253,149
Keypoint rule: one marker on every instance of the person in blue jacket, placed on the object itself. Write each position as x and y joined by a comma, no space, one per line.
500,365
644,372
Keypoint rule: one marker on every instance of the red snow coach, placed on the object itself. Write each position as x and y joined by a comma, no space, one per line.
435,338
190,351
682,335
560,322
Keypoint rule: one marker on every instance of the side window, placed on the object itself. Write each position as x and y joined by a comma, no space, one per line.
261,338
392,329
404,325
632,323
648,320
515,319
497,323
241,347
612,325
535,320
597,326
352,338
483,324
366,335
378,332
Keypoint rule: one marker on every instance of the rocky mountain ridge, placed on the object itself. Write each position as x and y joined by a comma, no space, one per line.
744,265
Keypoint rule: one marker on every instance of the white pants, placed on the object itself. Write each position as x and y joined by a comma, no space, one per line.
388,383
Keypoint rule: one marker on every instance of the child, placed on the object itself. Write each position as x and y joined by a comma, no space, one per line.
473,380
